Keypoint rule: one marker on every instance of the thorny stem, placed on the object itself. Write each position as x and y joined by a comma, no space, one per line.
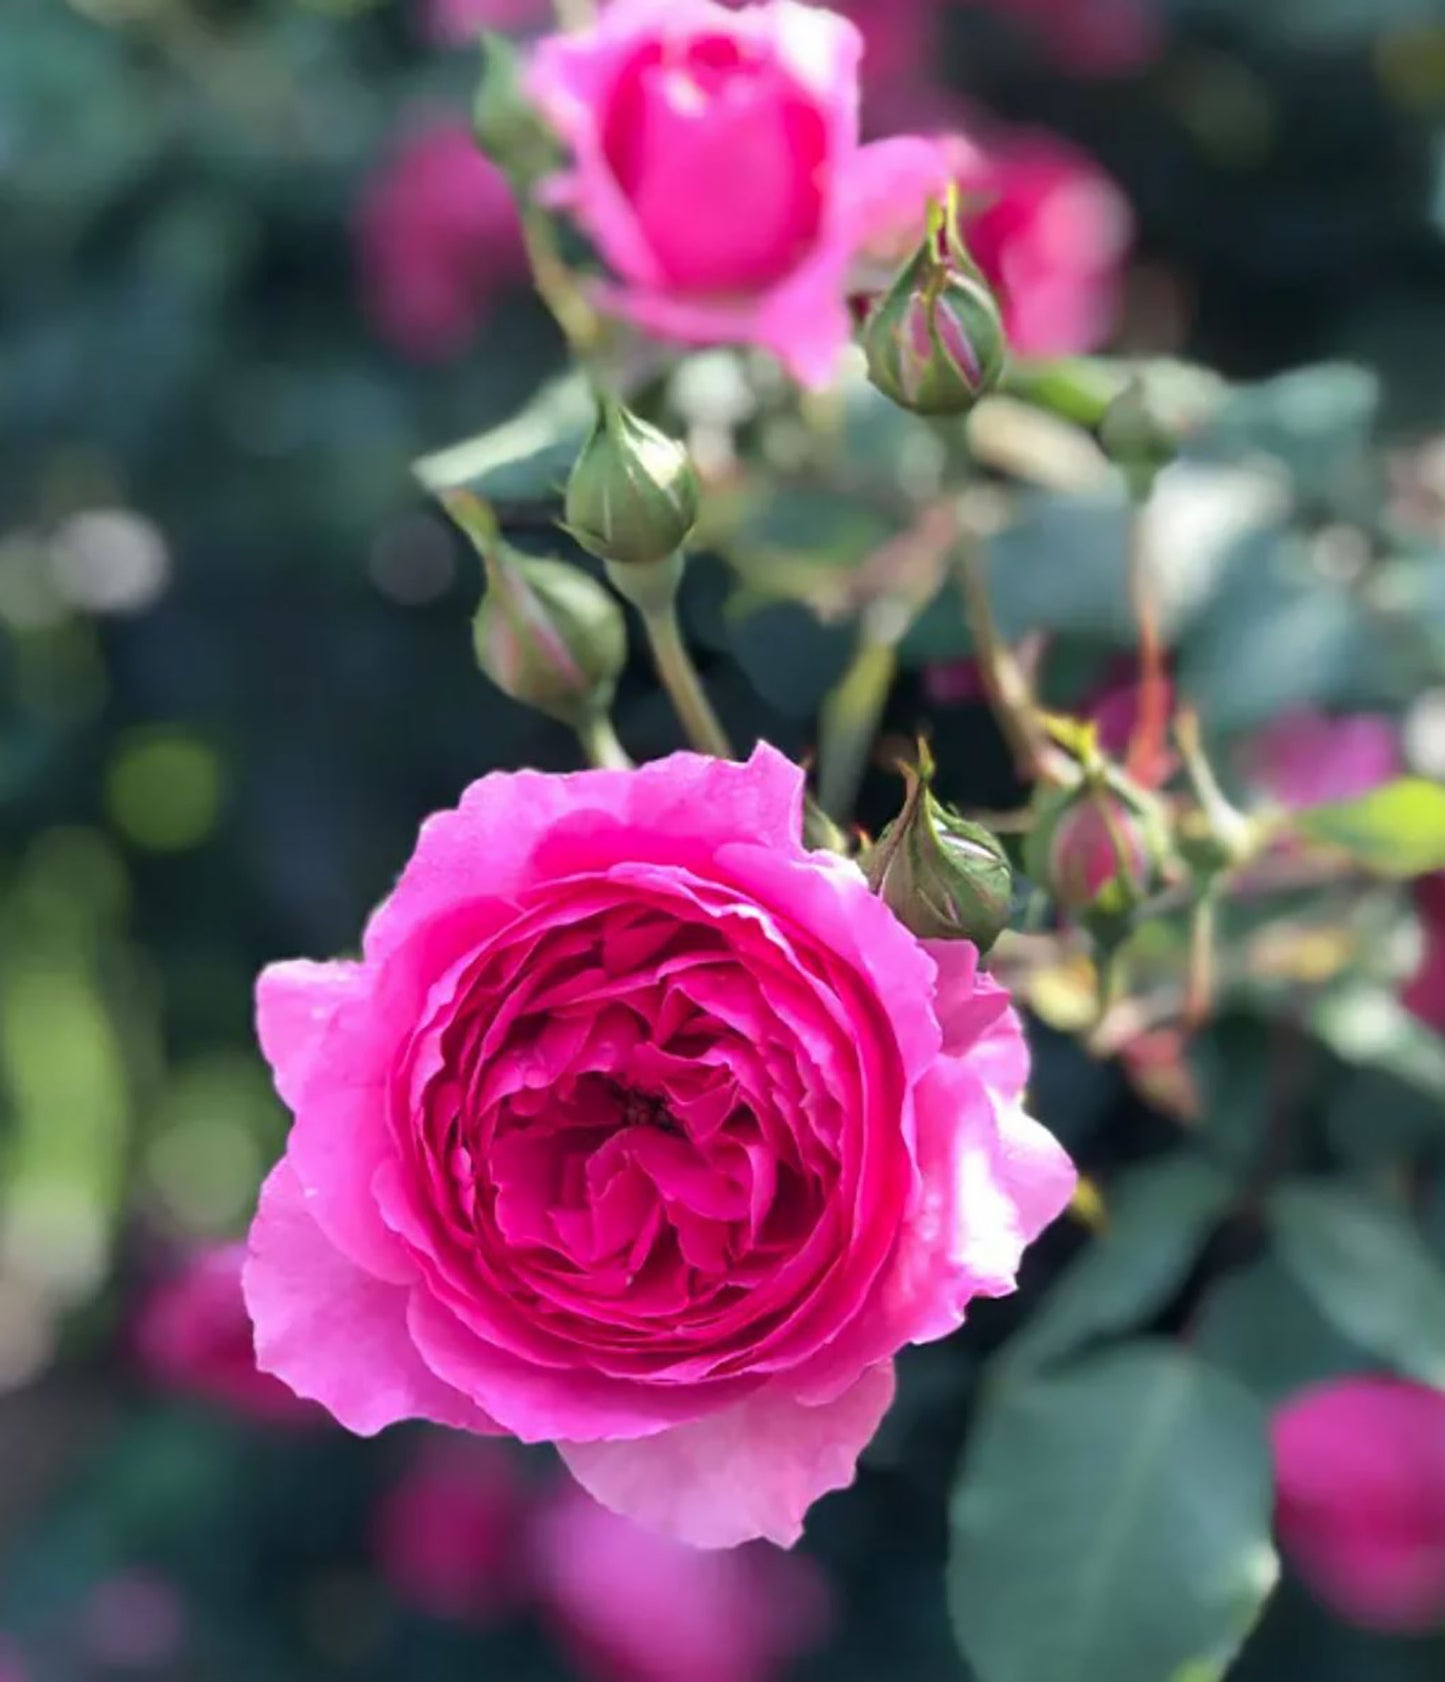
684,687
1003,679
1148,748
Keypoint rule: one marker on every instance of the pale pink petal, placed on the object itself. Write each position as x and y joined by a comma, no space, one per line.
977,1019
296,1004
891,184
333,1333
749,1471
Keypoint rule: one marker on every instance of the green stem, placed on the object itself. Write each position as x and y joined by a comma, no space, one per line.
600,746
850,720
557,285
1003,680
652,590
1148,750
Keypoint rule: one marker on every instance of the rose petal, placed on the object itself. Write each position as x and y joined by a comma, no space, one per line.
333,1333
296,1004
751,1470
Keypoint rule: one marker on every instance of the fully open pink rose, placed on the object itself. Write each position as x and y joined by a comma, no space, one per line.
640,1129
1360,1477
631,1606
715,162
438,242
193,1334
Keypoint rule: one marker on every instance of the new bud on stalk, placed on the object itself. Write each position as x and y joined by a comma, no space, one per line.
1100,847
935,340
1137,437
633,494
943,877
548,635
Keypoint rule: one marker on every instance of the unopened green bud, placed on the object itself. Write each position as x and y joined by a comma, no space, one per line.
1138,438
942,876
548,635
507,126
633,495
935,340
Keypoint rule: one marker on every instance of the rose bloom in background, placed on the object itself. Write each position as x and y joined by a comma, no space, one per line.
716,164
630,1606
1360,1478
193,1334
438,243
1308,758
1088,37
1424,993
447,1535
641,1129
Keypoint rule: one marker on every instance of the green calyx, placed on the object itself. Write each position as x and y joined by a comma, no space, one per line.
943,876
633,494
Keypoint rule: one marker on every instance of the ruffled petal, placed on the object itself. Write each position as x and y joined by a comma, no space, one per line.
750,1470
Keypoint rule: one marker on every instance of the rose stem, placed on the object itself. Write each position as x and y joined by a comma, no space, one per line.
600,746
652,590
852,712
556,285
1145,759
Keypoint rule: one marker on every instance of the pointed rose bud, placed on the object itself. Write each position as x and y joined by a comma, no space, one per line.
1098,848
506,124
548,635
935,340
943,877
633,494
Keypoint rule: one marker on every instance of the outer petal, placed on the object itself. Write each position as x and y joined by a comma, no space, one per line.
751,1470
977,1020
296,1004
889,188
486,849
333,1333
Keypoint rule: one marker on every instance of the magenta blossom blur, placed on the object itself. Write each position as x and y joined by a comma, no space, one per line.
1360,1478
641,1129
447,1534
193,1334
438,243
1308,758
715,162
1424,992
631,1606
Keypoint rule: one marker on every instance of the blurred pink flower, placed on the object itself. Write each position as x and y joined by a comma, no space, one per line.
12,1665
134,1620
193,1333
438,242
446,1535
632,1606
1089,37
1050,229
716,164
1360,1487
1424,993
458,23
953,683
1306,758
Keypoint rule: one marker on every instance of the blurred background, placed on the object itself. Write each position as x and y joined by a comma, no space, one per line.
252,269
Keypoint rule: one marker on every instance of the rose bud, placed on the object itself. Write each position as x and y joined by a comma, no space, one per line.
935,341
505,122
1098,847
633,494
943,877
1138,438
548,635
1359,1468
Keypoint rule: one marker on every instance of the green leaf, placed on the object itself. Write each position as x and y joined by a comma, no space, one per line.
1160,1217
1395,830
1368,1026
1257,1324
1113,1524
1367,1271
525,459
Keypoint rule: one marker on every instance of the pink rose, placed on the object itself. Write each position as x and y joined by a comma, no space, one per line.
631,1606
1360,1480
1051,230
438,243
1090,37
447,1535
717,167
640,1129
193,1334
1306,758
1424,993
